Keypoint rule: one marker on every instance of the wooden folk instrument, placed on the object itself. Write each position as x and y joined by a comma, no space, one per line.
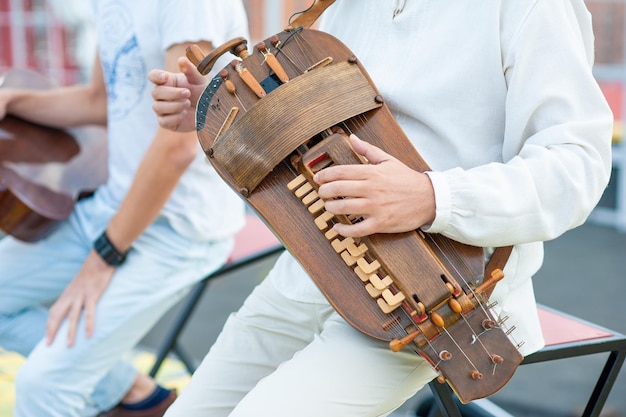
43,171
273,118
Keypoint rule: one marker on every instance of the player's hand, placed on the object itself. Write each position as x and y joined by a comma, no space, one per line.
388,195
176,95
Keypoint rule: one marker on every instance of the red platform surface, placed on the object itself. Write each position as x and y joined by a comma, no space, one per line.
559,329
255,236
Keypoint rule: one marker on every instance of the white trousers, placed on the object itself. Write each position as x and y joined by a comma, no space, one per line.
90,376
282,358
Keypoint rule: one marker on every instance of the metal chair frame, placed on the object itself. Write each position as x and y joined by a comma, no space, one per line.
447,405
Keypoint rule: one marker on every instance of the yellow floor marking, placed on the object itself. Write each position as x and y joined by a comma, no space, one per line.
171,375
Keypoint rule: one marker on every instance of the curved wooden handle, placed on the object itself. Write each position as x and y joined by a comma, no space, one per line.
205,63
309,16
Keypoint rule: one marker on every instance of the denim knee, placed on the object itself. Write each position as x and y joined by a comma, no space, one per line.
7,335
32,385
21,331
43,392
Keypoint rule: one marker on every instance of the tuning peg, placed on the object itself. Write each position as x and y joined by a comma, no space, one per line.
437,319
445,355
397,344
497,359
476,375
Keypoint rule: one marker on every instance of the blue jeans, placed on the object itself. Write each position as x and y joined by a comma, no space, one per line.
91,376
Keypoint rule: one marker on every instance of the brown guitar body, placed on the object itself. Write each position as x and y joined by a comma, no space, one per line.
43,171
411,289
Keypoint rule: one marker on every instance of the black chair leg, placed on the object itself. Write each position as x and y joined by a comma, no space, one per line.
185,358
171,337
605,383
169,343
444,398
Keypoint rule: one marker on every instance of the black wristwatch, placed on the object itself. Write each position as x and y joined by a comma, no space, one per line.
107,251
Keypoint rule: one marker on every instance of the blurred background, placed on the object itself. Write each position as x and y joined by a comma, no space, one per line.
584,272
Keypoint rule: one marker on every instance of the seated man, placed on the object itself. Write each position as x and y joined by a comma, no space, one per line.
163,220
500,100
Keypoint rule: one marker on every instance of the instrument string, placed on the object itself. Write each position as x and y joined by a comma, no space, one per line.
459,347
399,329
476,337
361,122
480,304
454,266
304,45
310,47
451,255
299,66
438,352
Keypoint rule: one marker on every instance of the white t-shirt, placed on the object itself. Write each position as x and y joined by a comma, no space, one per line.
499,98
133,38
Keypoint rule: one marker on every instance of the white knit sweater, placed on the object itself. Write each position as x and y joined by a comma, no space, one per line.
499,98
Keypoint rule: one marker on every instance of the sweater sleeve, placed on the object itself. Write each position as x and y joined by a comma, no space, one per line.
557,140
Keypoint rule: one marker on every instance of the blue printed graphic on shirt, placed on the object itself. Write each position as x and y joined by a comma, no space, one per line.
123,64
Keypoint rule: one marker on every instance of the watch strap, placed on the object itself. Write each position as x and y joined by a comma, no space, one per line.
107,251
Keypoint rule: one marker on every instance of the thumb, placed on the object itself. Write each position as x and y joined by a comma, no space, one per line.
194,77
373,154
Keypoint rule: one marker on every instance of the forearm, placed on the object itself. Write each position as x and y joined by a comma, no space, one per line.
532,198
61,107
556,142
64,106
158,174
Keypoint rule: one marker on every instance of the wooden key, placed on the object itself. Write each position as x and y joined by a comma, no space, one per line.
296,182
392,299
359,272
373,292
310,198
357,251
316,207
322,220
380,284
386,307
304,190
369,268
347,258
341,245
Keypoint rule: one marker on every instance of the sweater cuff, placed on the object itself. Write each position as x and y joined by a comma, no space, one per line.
443,202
